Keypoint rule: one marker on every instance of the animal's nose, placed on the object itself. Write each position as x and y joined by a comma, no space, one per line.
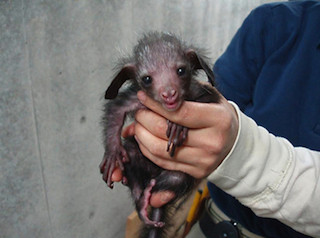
169,95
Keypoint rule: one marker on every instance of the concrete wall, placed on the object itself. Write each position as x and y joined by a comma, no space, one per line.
55,62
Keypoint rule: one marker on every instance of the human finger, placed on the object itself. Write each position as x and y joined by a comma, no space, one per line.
157,146
116,175
190,114
199,169
153,122
207,138
158,199
128,130
193,161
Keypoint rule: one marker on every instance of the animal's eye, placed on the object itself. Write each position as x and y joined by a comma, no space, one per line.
147,80
181,71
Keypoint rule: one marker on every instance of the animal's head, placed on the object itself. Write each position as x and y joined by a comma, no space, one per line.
163,66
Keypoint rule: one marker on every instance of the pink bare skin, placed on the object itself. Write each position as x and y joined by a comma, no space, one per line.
158,199
212,132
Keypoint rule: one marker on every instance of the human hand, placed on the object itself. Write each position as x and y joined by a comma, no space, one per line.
213,129
212,132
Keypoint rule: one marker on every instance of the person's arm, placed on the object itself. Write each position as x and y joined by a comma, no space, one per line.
264,172
273,178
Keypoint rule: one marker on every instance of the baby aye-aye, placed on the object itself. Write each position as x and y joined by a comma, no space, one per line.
164,68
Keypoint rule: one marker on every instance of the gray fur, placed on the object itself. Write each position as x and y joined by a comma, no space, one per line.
164,67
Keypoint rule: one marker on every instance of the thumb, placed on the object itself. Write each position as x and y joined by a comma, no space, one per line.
158,199
128,131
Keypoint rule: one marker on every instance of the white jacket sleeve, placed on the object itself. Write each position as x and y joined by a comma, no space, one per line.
273,178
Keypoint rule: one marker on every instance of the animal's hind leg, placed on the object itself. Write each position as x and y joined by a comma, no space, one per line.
144,203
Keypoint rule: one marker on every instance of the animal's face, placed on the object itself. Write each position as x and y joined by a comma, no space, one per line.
166,82
163,66
164,73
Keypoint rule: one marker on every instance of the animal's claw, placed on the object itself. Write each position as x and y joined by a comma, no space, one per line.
177,135
110,161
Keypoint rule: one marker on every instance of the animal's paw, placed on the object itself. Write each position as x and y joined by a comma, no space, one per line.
145,200
177,135
111,160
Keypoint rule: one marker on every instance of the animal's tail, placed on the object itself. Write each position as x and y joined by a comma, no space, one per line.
155,232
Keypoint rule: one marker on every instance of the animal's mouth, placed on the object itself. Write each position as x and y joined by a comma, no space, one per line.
170,100
171,106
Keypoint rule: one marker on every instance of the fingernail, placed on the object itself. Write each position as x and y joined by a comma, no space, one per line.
166,197
141,96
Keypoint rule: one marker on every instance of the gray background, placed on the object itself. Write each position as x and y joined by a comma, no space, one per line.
56,59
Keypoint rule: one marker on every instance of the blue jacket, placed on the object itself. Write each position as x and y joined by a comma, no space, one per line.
271,69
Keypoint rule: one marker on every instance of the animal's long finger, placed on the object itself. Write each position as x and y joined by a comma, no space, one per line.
110,170
169,123
175,141
172,133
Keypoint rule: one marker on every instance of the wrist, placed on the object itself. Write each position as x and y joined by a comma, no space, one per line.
238,129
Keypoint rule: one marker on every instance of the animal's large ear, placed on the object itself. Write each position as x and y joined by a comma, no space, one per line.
127,72
198,62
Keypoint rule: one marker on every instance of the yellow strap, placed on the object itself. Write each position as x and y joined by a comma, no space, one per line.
196,208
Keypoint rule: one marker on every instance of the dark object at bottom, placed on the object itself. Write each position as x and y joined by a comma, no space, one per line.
226,229
223,229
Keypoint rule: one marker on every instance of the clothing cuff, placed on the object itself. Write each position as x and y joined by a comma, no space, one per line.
252,169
